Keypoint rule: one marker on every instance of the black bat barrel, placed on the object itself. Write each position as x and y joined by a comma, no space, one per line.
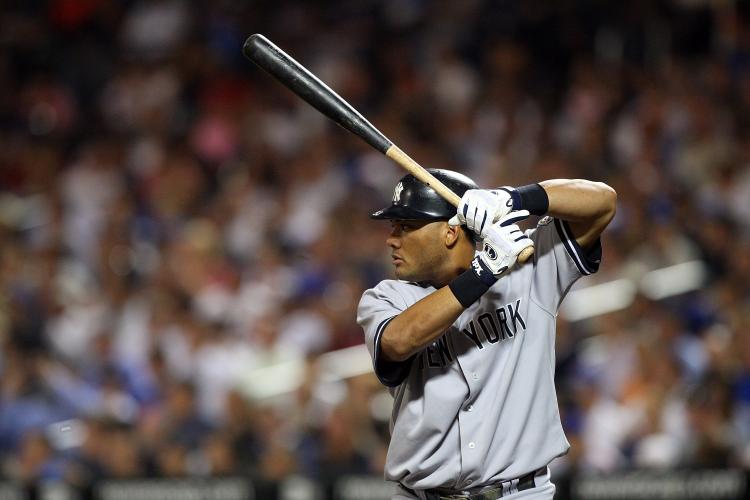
299,80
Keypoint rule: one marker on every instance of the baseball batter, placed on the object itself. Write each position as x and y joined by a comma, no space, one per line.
464,338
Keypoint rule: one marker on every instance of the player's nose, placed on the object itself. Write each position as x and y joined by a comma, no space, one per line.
394,239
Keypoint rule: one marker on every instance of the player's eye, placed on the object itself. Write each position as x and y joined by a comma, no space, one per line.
405,226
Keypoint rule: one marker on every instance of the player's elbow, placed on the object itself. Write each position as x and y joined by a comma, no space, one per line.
395,351
604,202
609,201
395,347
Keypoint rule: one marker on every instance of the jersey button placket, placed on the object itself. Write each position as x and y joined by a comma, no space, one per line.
469,422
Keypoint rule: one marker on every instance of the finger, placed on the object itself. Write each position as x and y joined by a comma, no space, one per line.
515,233
479,212
522,244
514,217
472,214
521,237
482,225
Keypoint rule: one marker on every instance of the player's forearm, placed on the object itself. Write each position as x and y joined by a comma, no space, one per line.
419,325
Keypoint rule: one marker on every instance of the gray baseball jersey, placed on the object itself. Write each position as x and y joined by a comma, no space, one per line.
478,406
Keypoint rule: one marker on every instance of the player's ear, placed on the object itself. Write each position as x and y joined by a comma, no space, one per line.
452,234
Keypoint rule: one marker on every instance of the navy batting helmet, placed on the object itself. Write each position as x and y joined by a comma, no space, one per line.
414,200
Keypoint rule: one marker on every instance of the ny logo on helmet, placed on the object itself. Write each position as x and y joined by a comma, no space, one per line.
397,192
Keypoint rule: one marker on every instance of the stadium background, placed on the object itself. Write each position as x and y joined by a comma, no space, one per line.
183,242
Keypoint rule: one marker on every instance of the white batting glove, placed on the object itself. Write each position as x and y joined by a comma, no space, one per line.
503,241
480,208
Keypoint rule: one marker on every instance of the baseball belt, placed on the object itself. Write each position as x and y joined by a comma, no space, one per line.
489,492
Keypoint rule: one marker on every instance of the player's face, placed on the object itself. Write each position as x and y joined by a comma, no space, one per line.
417,248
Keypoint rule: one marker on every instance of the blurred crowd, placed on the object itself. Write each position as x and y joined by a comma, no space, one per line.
172,220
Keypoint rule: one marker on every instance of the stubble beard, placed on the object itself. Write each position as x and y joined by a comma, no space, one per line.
424,271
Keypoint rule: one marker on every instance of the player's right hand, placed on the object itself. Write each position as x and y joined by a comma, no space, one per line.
503,241
480,208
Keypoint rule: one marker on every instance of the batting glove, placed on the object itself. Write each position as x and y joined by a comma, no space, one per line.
480,208
503,241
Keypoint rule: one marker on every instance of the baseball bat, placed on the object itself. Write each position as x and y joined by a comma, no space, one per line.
302,82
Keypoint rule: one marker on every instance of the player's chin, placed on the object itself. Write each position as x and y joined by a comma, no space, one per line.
400,270
403,272
397,272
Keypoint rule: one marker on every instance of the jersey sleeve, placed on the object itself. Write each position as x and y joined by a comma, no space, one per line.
377,307
559,261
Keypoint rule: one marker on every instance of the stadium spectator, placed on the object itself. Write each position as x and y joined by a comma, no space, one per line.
173,221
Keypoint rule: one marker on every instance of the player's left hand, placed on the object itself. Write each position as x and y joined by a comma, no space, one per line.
480,208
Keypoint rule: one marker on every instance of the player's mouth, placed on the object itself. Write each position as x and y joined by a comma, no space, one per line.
397,260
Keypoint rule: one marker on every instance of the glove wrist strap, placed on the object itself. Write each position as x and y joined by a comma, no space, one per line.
470,285
533,198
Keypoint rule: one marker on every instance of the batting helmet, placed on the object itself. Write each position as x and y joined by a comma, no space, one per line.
413,199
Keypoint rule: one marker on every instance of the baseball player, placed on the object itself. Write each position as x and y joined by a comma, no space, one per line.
464,338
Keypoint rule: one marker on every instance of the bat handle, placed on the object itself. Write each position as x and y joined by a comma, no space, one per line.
526,254
414,168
